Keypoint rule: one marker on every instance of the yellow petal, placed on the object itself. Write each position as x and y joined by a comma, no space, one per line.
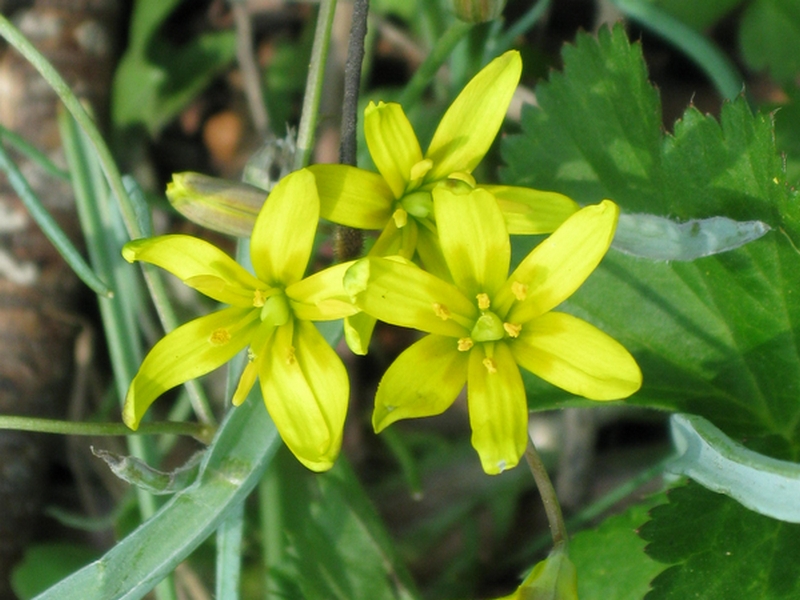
283,235
498,412
358,330
423,381
321,296
577,357
470,125
429,251
191,350
306,392
392,144
402,294
530,212
473,237
198,264
353,197
560,264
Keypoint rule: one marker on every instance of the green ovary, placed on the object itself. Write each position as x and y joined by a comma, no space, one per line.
488,328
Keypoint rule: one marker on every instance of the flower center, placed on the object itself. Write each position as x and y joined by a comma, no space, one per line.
488,328
276,310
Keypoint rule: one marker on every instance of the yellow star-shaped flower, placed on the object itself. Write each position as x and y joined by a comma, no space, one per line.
304,383
398,199
487,323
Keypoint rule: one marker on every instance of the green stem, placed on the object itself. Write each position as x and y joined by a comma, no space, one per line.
552,508
49,226
316,71
199,431
427,70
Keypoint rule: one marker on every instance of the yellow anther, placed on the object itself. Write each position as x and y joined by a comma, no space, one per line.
520,290
512,329
251,356
219,337
483,301
441,311
489,364
290,357
400,218
465,344
259,298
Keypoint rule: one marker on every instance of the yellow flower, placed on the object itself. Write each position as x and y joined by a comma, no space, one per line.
398,199
304,383
486,323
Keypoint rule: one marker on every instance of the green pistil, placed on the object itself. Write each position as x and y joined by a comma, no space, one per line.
276,310
488,328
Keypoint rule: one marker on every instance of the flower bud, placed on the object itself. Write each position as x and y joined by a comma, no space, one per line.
478,11
217,204
554,578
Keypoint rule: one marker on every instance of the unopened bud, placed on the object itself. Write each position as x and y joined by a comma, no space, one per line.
478,11
217,204
554,578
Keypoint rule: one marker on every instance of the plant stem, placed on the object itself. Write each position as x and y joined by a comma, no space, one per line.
551,506
349,241
199,431
319,55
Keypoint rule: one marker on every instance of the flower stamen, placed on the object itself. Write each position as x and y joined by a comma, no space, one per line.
290,356
219,337
465,344
441,311
400,217
520,290
259,298
483,301
512,329
490,365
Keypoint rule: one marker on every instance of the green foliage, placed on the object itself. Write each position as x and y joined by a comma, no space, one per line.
770,37
156,77
45,564
621,570
699,14
730,552
337,546
714,337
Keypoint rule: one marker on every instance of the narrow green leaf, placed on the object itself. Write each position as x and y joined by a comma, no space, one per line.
232,466
49,226
660,238
229,553
768,486
770,37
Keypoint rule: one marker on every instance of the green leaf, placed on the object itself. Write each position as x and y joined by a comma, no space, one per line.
44,564
768,486
338,546
715,336
231,467
611,560
730,552
156,78
699,15
770,37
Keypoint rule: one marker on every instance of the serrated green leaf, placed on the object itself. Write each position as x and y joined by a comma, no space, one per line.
715,336
611,561
731,552
770,37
